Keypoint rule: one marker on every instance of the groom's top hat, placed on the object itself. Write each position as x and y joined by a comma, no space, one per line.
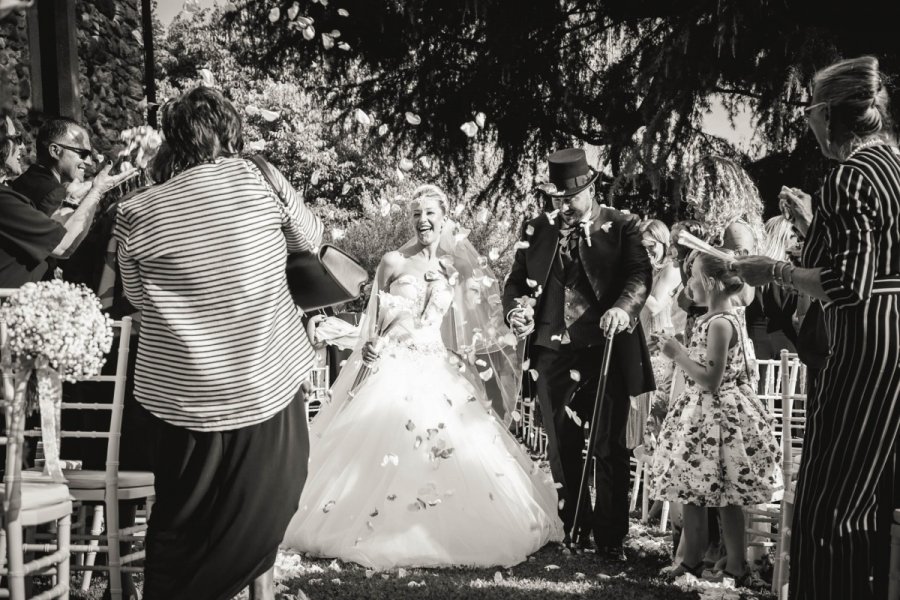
569,173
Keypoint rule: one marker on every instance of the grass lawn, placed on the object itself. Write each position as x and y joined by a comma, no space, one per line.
553,573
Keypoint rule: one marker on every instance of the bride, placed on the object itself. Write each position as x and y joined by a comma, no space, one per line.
410,464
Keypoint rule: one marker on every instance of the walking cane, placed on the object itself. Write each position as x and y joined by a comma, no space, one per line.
592,435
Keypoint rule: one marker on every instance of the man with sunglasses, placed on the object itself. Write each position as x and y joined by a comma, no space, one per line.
63,155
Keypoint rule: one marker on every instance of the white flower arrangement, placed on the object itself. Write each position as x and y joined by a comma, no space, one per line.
59,325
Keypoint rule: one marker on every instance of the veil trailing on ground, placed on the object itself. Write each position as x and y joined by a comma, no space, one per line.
486,352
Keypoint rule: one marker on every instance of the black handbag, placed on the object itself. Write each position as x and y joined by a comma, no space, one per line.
319,279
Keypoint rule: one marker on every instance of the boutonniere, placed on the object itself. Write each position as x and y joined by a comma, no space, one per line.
551,216
605,227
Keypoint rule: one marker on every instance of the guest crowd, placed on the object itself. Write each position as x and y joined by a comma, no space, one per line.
222,352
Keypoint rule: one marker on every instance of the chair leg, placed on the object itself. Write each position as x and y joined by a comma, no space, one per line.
637,486
91,557
80,526
645,497
112,537
16,576
64,541
664,516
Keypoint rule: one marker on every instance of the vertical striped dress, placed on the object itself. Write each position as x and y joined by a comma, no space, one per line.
848,478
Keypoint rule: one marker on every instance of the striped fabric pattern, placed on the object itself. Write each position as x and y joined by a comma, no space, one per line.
203,257
848,478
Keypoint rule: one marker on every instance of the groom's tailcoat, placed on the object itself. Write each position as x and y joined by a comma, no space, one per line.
619,272
612,271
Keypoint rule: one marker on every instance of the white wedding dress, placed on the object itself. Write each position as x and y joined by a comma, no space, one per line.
413,470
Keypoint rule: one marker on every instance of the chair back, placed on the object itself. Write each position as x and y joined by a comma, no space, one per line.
13,399
793,413
122,331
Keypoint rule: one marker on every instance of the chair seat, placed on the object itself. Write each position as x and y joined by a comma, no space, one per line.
39,495
96,480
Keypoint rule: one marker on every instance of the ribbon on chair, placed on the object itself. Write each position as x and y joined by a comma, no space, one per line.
49,391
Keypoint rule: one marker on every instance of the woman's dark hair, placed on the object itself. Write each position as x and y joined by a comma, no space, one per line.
198,127
857,98
716,268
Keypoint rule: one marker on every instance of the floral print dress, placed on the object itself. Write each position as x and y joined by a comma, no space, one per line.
718,449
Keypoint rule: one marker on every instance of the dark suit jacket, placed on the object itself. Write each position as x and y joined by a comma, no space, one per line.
620,275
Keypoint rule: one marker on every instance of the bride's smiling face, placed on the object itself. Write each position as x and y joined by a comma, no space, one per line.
427,220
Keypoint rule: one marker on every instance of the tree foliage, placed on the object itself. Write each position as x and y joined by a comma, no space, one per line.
633,77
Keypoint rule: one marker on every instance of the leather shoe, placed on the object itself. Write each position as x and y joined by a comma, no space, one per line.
615,553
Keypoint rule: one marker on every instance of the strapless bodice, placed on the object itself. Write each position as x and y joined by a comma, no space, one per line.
412,310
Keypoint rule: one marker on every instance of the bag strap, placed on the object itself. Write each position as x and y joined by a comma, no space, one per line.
263,166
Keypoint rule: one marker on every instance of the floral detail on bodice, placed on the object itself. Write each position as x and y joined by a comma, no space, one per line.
740,361
411,311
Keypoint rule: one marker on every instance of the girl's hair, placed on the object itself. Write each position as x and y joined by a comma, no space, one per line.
779,238
198,127
431,192
857,99
717,269
657,230
722,193
8,144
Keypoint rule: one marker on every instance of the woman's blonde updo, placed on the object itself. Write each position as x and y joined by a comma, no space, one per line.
433,192
857,98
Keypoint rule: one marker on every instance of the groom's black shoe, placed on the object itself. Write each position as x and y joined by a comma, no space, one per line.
614,553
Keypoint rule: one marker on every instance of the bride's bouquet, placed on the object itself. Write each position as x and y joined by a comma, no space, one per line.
392,323
56,331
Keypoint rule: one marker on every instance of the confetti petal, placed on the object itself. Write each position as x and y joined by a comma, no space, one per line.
309,33
346,188
479,119
551,567
206,77
406,164
362,118
573,415
274,15
575,375
486,375
327,41
392,497
382,129
293,11
522,245
343,12
344,46
493,254
269,115
498,576
526,364
469,128
390,459
533,373
410,425
412,118
529,230
516,416
328,506
531,283
252,110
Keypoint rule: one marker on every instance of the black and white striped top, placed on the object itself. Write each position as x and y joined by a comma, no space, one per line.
203,256
854,236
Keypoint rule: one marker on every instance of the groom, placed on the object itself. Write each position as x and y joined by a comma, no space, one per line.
583,275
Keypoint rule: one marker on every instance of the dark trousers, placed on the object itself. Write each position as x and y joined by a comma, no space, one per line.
566,439
223,502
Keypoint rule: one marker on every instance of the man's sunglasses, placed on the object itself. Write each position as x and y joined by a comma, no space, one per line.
82,153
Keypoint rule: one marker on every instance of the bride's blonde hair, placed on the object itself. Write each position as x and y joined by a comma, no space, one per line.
432,192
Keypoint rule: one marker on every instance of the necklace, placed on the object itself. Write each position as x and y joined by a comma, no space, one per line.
863,145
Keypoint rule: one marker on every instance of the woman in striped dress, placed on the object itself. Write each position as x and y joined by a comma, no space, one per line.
848,482
221,356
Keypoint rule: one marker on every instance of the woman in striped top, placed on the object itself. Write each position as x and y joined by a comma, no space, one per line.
221,356
848,483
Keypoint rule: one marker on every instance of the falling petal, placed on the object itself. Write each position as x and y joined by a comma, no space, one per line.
575,375
457,210
138,36
486,375
269,115
562,504
406,164
343,12
480,362
533,373
479,119
493,254
314,178
469,128
382,129
309,32
344,46
274,14
293,11
558,485
573,415
362,118
328,506
327,41
522,245
400,175
516,416
257,146
337,234
392,497
410,425
531,283
529,230
412,118
526,363
498,576
304,22
390,459
418,442
346,188
252,110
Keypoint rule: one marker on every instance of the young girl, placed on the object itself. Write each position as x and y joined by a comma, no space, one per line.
717,446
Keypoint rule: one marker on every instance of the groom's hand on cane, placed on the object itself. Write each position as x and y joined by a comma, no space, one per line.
614,321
